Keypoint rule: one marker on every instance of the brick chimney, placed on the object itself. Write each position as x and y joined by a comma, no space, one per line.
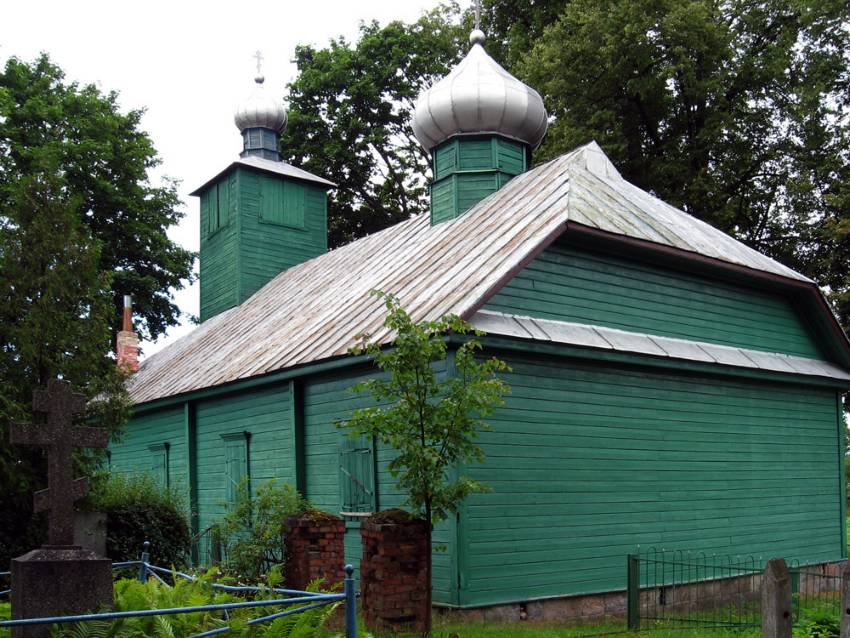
127,345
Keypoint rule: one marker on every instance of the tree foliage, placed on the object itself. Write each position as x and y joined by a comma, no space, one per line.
736,111
349,118
79,227
103,160
252,530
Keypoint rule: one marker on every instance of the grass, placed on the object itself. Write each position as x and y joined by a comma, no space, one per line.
529,629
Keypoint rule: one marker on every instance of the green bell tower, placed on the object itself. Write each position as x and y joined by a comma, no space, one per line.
480,125
260,215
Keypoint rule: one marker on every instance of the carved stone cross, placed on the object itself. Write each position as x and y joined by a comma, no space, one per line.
60,437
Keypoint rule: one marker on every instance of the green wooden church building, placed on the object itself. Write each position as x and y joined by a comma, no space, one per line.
671,387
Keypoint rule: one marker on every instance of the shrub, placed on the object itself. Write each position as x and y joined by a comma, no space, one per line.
137,510
252,530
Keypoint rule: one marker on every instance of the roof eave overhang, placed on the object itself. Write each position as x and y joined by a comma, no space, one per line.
318,181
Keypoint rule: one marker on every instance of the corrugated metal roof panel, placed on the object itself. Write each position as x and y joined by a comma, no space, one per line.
497,323
315,310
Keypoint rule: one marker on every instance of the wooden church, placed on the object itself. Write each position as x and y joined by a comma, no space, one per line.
671,387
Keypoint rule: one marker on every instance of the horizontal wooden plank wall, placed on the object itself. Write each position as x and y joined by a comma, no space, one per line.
264,413
587,462
327,400
468,169
133,456
268,248
218,255
565,283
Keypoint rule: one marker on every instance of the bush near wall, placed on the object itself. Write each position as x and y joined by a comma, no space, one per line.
137,510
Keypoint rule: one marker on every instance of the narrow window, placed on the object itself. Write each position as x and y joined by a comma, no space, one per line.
235,463
357,476
212,209
159,463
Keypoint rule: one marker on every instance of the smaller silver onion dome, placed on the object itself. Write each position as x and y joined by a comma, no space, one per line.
260,111
479,96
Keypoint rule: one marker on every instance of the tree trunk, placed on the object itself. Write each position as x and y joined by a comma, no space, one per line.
428,557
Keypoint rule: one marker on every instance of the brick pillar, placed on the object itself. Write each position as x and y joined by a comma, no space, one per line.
393,571
314,549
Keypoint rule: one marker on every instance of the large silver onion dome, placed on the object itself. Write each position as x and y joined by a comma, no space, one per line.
479,96
260,111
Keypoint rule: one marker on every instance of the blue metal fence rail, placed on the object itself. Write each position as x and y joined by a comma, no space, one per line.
146,570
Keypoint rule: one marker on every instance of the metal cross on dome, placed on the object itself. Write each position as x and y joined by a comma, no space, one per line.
477,8
59,435
259,57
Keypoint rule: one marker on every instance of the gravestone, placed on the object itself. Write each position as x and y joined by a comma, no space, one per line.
59,578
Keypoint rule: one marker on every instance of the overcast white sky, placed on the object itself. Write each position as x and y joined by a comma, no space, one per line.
188,64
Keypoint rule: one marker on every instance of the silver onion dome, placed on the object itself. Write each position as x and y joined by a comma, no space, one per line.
479,96
260,111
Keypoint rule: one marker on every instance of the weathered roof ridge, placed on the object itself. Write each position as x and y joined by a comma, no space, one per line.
314,310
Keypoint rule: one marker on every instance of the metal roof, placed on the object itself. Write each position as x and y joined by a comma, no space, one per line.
267,166
315,310
603,338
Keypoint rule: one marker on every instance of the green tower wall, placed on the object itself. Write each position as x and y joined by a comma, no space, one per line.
468,169
255,225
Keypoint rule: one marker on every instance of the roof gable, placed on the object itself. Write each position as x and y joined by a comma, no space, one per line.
315,310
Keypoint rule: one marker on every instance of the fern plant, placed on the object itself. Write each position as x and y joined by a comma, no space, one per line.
132,595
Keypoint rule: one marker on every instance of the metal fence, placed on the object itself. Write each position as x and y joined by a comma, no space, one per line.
681,588
298,601
685,588
815,592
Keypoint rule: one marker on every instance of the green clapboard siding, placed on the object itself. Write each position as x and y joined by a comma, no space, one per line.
585,463
153,441
265,415
327,400
568,284
255,226
219,245
468,169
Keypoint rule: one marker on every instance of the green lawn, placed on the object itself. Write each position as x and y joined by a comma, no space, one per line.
447,629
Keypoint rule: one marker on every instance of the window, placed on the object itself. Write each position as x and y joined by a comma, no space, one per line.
215,204
282,202
159,463
357,476
235,463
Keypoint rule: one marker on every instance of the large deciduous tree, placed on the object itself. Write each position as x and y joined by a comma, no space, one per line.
80,225
349,118
737,111
103,158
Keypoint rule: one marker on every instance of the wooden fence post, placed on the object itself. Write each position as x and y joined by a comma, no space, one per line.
845,600
776,600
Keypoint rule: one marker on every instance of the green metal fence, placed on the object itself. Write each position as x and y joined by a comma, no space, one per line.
684,588
680,588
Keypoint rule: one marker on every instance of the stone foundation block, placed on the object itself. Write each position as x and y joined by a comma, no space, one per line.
58,581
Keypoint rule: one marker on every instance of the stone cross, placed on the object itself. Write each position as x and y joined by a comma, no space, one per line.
60,437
